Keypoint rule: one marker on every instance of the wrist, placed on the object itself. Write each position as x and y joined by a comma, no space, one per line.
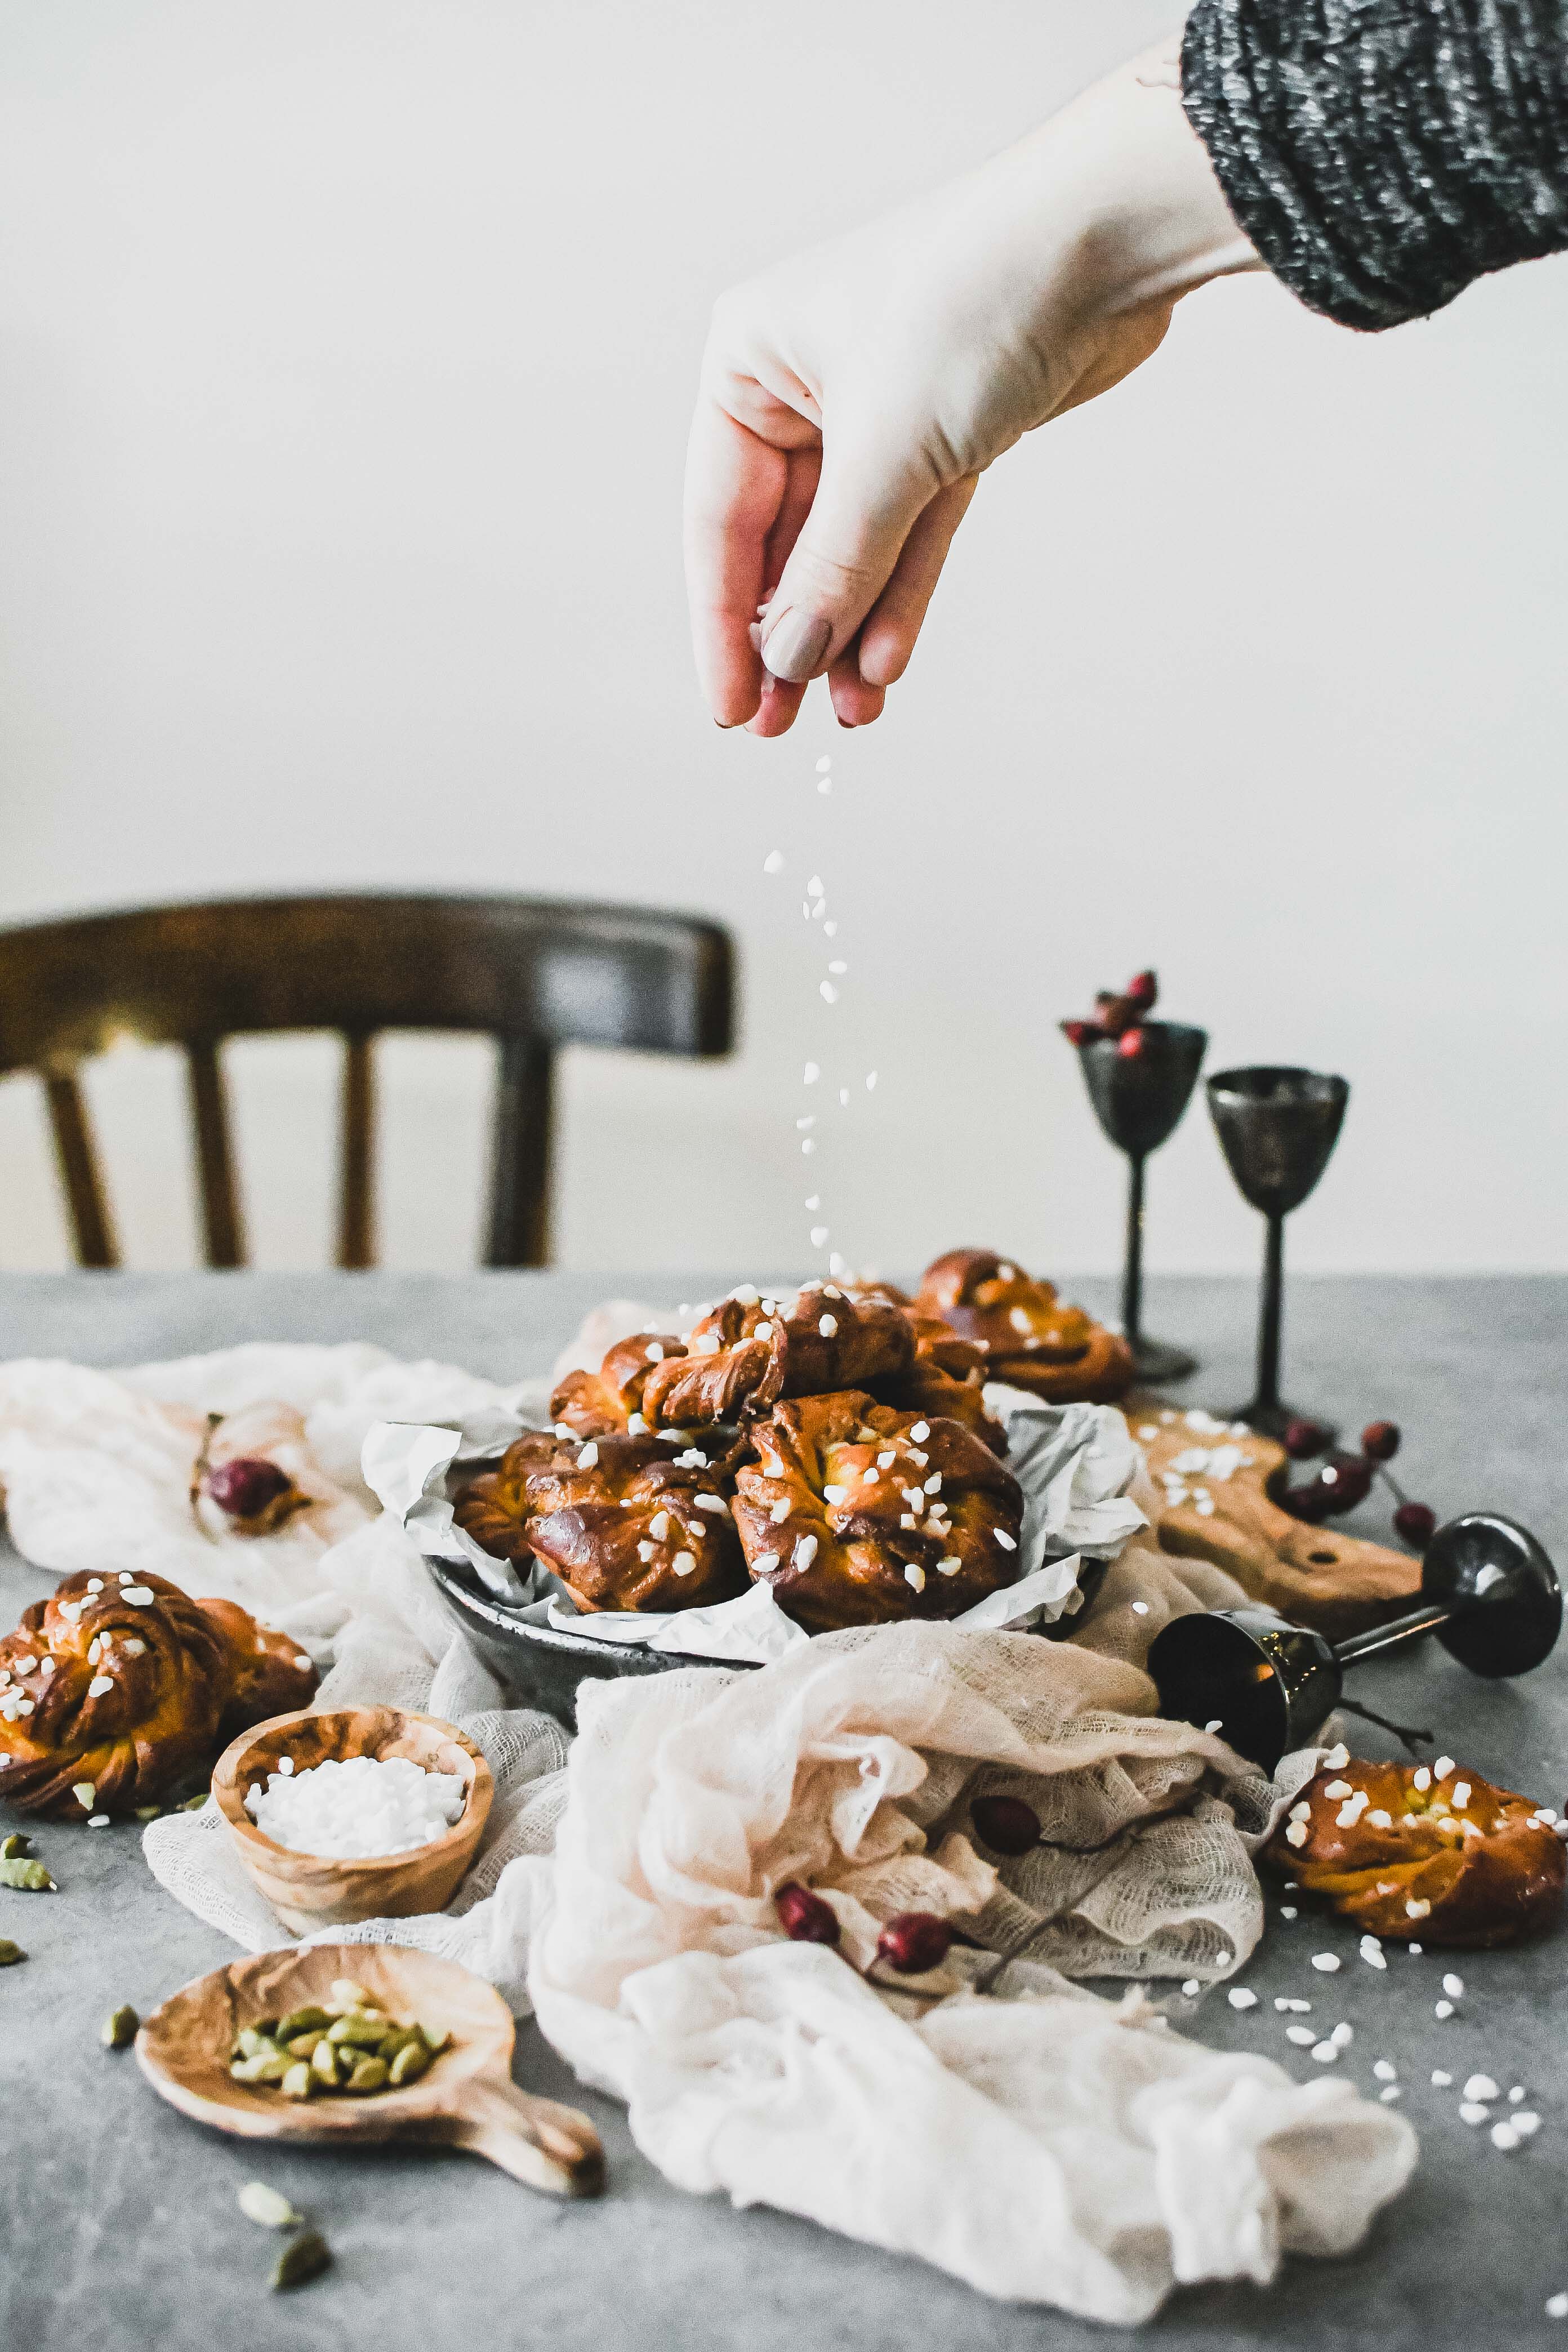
1150,219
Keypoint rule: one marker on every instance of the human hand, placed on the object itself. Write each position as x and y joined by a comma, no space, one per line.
852,396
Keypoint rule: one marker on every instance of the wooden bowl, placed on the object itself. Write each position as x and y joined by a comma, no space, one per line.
313,1890
467,2099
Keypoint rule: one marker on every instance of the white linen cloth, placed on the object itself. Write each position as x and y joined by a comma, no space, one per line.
1031,2138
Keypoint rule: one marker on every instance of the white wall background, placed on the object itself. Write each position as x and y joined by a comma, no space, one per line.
347,347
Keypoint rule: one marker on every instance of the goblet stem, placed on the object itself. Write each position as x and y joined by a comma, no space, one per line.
1268,1316
1393,1635
1132,1268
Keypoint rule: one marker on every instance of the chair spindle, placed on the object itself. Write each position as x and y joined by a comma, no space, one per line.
91,1228
356,1198
519,1179
223,1229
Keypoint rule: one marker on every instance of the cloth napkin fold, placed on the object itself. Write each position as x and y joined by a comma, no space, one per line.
1033,2138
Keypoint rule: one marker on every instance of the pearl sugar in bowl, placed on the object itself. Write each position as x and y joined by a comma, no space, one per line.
355,1806
356,1812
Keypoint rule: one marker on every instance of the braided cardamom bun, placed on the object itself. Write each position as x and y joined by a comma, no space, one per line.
751,1349
127,1683
621,1521
609,1402
858,1513
947,1379
1442,1855
1029,1339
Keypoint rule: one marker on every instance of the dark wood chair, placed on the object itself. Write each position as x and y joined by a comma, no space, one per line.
532,973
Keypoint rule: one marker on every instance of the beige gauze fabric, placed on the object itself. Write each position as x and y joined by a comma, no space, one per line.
1039,2141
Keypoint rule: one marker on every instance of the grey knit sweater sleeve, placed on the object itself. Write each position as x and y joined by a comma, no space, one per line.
1383,154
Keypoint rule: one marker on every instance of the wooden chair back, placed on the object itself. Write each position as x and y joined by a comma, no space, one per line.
533,973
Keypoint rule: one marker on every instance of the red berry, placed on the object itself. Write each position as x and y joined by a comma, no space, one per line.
246,1486
1380,1439
1305,1438
1344,1480
1081,1032
1131,1043
1142,989
804,1916
1007,1824
913,1942
1417,1522
1309,1503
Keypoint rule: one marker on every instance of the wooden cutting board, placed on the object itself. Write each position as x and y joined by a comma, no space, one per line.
1316,1576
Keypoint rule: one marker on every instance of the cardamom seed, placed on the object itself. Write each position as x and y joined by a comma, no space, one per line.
303,2259
119,2030
13,1848
10,1953
267,2206
27,1877
368,2075
298,2083
148,1812
411,2061
364,2032
301,2020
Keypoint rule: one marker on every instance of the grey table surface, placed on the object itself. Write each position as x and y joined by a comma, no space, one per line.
121,2227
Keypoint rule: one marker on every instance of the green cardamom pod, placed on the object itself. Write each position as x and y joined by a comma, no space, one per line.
298,2083
257,2202
10,1953
370,2075
14,1847
193,1804
364,2032
30,1877
411,2061
301,2020
119,2031
302,2259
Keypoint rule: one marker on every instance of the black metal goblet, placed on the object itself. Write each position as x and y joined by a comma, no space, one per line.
1139,1099
1489,1592
1278,1129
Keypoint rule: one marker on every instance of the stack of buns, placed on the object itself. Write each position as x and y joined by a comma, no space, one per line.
835,1445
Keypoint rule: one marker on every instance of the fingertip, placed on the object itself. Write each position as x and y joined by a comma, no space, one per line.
855,704
885,656
777,710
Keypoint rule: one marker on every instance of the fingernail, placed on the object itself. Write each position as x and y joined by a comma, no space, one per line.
756,635
795,646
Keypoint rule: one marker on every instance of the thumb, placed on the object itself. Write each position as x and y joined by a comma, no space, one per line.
866,504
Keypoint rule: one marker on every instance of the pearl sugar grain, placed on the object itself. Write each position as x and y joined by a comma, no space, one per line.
356,1807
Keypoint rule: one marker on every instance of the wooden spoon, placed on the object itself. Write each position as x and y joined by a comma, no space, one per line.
1337,1584
467,2099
